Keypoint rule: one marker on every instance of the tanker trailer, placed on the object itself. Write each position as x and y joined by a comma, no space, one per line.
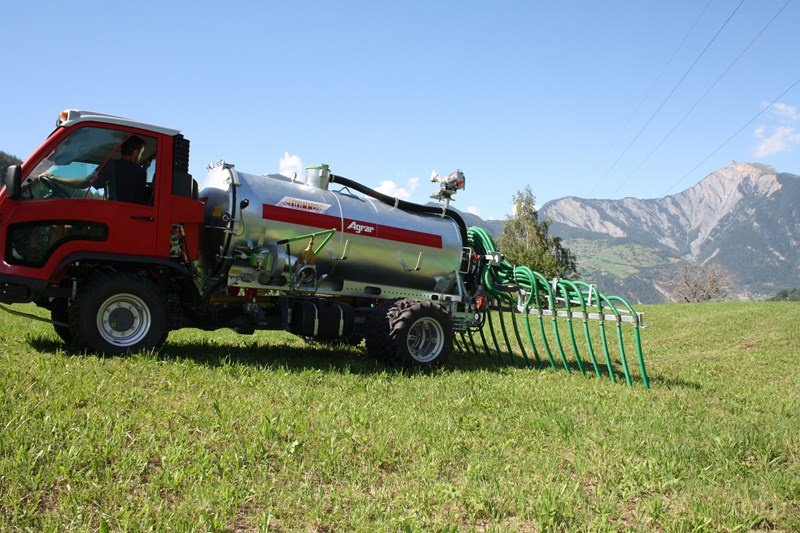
340,262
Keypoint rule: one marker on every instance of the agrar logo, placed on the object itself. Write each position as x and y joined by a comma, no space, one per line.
355,227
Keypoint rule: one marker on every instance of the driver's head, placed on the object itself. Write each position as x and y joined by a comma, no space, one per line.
132,148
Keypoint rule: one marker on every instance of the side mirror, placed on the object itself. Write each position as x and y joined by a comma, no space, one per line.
13,182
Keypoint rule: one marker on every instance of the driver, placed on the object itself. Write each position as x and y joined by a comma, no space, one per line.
124,179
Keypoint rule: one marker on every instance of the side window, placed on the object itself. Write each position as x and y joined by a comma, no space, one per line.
32,243
96,163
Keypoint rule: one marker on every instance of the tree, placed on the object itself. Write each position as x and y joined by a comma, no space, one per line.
6,160
787,295
525,240
697,283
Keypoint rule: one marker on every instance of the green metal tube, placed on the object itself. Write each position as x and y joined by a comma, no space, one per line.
622,354
509,349
551,301
328,232
585,323
604,340
517,335
540,321
464,342
639,354
457,344
472,342
636,337
619,339
529,333
570,329
494,337
487,350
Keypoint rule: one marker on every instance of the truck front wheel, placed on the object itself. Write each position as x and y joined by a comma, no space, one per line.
117,314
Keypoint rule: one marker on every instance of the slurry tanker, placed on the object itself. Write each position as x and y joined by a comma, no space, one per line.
105,228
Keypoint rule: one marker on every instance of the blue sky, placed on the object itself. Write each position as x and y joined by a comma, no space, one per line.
513,93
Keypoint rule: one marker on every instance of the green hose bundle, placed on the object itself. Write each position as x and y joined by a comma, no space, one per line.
521,289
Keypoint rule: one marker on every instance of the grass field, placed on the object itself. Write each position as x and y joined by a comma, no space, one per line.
224,432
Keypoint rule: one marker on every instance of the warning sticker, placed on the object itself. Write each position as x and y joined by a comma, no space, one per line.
303,205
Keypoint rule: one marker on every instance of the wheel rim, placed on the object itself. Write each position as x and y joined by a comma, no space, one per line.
425,339
123,320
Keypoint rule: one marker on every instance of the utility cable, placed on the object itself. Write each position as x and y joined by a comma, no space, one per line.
666,99
746,48
653,85
792,86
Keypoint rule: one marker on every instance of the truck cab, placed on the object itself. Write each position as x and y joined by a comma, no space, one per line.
98,226
59,207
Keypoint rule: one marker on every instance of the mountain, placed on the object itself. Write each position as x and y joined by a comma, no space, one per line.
494,227
745,217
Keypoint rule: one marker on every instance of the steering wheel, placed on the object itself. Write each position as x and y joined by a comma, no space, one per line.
56,189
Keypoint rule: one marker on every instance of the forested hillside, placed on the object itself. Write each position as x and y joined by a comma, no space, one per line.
6,160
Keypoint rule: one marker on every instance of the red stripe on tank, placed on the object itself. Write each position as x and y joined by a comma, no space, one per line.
356,227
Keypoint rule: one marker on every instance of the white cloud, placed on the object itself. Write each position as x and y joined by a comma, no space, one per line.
786,111
784,139
475,210
393,189
290,164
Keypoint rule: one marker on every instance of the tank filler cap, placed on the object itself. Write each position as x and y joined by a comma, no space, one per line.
318,176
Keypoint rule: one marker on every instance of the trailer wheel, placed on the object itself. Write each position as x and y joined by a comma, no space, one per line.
377,338
421,334
117,314
409,333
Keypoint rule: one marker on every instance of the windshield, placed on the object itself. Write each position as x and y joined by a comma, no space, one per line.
72,169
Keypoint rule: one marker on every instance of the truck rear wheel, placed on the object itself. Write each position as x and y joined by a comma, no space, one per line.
60,313
411,333
117,314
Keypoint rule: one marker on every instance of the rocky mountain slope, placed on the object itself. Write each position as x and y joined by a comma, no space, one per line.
745,216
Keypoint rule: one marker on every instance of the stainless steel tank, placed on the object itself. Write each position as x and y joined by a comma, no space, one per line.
376,247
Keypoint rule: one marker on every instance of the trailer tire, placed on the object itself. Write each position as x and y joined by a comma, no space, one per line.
421,334
377,338
409,333
113,302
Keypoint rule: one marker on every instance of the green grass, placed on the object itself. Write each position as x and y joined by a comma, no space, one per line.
224,432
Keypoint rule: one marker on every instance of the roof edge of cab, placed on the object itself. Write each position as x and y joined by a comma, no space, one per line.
74,116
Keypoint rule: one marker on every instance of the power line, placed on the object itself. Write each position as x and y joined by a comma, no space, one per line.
666,99
653,85
746,48
792,86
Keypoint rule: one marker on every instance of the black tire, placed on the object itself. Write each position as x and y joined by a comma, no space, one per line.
377,337
411,333
60,313
115,301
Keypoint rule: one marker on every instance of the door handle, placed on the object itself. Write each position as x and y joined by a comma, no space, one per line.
146,218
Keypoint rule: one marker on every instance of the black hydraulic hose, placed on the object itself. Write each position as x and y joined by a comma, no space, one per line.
224,264
232,223
404,205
